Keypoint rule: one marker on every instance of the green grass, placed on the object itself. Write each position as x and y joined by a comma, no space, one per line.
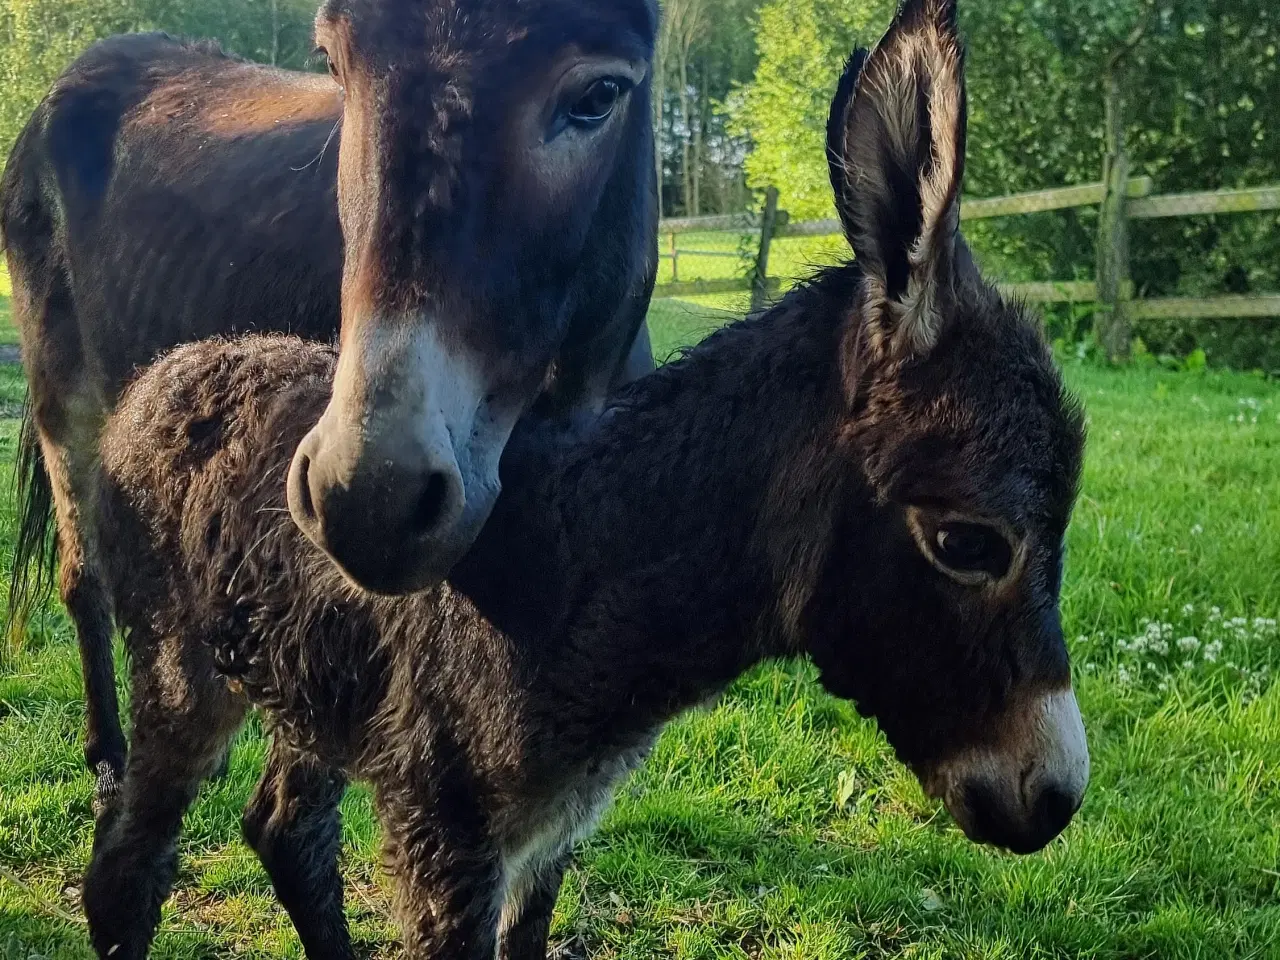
789,257
8,333
733,841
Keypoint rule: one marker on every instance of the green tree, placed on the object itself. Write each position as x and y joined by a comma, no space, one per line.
38,38
800,45
1201,91
706,49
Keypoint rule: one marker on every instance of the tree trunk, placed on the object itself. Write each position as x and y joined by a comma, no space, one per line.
275,31
699,132
760,275
659,95
687,120
1111,322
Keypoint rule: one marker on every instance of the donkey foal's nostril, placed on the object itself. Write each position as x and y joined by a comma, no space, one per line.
431,503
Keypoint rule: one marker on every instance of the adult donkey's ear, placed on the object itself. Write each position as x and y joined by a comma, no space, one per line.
895,145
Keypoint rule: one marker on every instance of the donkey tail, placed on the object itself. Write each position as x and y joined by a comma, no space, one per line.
34,553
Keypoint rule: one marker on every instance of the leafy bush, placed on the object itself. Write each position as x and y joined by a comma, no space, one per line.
1203,111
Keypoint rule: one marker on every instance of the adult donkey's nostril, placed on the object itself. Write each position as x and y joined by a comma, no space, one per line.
306,505
392,520
431,504
299,496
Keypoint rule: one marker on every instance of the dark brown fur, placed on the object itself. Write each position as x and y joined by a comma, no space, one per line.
759,498
164,192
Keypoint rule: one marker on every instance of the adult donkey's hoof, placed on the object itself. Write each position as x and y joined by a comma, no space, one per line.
106,791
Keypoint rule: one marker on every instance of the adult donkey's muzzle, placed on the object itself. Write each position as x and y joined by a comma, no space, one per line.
396,480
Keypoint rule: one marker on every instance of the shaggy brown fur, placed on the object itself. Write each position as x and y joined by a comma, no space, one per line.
164,192
797,484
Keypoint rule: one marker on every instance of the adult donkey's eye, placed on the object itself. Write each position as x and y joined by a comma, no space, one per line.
320,53
972,547
596,103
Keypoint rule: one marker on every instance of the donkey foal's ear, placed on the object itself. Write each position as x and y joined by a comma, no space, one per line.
895,147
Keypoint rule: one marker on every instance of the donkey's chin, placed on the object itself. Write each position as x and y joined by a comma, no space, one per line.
413,568
986,818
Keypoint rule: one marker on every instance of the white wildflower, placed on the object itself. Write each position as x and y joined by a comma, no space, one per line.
1189,644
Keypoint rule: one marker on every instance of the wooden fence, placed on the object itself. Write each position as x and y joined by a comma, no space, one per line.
1112,294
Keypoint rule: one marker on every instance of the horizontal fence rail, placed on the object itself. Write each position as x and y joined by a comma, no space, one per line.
1041,201
1241,305
1195,204
1066,291
1139,203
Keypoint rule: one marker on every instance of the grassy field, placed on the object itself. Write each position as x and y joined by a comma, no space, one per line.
778,824
8,334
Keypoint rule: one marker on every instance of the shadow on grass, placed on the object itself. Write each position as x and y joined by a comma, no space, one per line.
30,936
728,851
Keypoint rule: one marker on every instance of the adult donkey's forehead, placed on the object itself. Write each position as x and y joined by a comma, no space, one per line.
480,33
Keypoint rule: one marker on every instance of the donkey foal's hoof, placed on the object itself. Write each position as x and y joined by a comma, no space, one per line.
224,767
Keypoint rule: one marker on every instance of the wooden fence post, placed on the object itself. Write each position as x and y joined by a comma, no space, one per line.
1111,325
760,276
675,257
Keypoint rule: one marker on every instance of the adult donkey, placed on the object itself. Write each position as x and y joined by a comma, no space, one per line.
492,182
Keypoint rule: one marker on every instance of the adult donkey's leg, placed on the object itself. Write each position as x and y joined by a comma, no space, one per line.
292,823
73,474
183,718
68,406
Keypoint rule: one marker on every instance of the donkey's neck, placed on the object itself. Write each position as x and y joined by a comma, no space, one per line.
675,535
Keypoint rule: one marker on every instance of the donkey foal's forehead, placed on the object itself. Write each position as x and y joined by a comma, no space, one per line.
993,426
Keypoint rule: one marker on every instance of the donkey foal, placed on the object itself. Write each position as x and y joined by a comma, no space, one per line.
877,473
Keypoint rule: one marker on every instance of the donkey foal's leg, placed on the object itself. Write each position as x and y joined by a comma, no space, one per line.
178,740
527,922
445,871
292,824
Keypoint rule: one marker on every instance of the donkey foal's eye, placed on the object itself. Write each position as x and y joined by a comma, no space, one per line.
596,103
972,547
